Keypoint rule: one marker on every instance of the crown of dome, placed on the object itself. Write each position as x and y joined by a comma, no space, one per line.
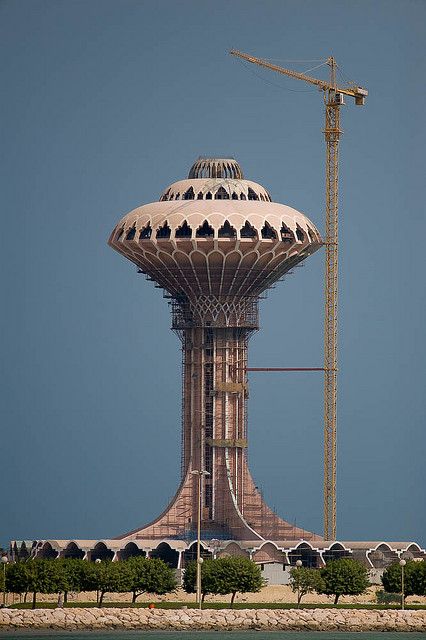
216,168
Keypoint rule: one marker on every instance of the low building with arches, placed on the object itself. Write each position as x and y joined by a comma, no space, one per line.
275,558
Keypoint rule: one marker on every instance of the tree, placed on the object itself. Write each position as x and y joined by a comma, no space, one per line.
75,575
17,578
108,577
342,577
43,576
223,576
414,578
238,574
304,580
419,578
149,575
208,579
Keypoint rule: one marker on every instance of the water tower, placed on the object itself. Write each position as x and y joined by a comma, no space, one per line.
214,243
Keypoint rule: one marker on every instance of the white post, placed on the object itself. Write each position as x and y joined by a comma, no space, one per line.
402,564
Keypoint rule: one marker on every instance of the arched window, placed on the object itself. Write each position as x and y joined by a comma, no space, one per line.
208,195
299,234
262,197
286,234
200,195
189,195
252,195
73,551
311,235
167,554
184,231
268,232
177,196
120,233
145,233
164,231
131,233
243,196
234,196
226,231
165,196
205,230
248,231
221,194
101,552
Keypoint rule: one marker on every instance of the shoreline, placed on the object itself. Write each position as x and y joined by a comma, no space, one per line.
213,619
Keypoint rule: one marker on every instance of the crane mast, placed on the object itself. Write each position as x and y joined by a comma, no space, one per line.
333,99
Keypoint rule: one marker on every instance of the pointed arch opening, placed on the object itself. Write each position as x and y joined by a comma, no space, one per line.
234,196
248,231
131,233
227,231
189,194
205,231
286,234
243,196
299,234
221,194
184,231
209,195
311,235
145,233
252,195
268,232
163,233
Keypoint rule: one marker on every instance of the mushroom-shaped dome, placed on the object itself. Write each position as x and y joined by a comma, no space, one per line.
219,244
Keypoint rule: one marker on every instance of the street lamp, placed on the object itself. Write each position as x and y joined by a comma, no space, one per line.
4,560
402,564
200,474
97,561
299,563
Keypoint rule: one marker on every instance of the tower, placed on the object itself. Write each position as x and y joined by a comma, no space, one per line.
214,243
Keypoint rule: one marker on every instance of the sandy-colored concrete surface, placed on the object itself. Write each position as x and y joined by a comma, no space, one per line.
275,594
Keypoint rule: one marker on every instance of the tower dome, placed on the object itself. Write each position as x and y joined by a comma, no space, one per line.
215,235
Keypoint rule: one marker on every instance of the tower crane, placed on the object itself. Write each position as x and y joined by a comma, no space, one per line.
333,100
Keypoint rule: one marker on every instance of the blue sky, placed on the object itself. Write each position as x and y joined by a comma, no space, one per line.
104,104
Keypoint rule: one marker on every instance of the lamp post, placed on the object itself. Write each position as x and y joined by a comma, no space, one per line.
4,560
97,561
402,564
200,474
299,563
